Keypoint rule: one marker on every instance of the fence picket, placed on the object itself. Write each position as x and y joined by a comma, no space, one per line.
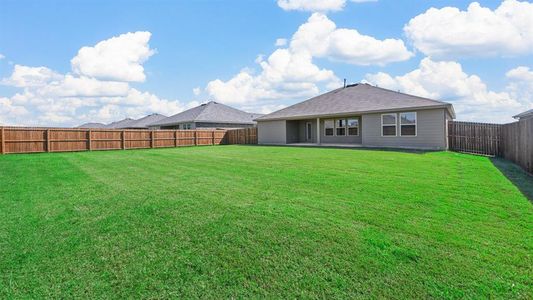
31,140
512,141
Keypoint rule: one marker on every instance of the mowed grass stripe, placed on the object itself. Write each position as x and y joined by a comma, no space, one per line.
250,221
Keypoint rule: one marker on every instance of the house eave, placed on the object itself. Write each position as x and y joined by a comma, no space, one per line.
449,107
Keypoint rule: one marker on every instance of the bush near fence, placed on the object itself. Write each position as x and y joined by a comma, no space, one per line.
35,140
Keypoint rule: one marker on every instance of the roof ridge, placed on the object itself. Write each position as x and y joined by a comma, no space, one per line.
209,111
305,101
360,97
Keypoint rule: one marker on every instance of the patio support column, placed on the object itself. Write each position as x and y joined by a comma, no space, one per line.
318,131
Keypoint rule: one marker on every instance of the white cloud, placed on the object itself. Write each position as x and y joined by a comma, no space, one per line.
197,91
117,59
71,86
143,103
312,5
447,81
521,85
478,31
47,108
522,73
284,74
24,76
10,110
49,98
263,108
281,42
317,5
321,37
2,56
290,73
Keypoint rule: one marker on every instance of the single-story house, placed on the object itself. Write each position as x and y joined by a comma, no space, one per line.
92,125
127,123
525,115
208,116
144,122
120,124
360,115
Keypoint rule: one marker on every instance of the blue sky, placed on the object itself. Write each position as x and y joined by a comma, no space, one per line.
225,51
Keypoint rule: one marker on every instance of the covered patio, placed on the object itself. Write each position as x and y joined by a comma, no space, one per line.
326,145
335,131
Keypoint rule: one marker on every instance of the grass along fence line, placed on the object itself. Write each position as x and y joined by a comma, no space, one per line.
473,137
35,140
513,141
517,139
232,222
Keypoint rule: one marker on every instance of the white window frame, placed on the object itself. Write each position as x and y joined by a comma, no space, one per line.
345,127
348,126
326,120
395,125
416,123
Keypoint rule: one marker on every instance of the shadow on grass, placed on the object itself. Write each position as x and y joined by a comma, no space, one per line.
520,178
365,148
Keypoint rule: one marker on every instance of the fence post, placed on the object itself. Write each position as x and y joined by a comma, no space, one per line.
195,138
89,142
213,139
3,142
226,137
152,143
175,138
47,140
123,139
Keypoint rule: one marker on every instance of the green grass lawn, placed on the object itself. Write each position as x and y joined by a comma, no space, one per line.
262,222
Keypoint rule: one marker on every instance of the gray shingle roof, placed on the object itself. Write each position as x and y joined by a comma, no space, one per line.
356,98
211,112
92,125
525,114
120,124
145,121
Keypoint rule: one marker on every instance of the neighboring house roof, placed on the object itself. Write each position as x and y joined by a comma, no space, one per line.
210,112
524,115
120,124
145,121
92,125
356,98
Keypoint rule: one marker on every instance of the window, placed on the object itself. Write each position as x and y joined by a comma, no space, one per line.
353,126
340,127
408,124
388,124
328,127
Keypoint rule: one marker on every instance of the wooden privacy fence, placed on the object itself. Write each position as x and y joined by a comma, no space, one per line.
512,141
478,138
242,136
33,140
517,141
